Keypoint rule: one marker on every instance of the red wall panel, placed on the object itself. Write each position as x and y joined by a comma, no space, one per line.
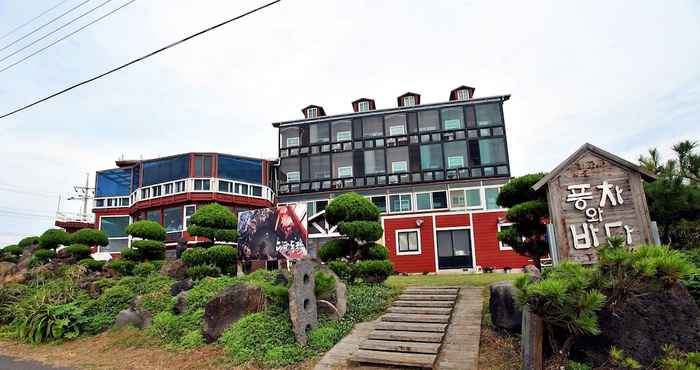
424,262
485,229
454,220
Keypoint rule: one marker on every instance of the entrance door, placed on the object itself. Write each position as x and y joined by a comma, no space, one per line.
454,249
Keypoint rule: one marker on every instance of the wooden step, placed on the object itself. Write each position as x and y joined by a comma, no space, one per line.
410,326
428,297
408,303
394,358
400,346
421,310
430,291
407,317
416,336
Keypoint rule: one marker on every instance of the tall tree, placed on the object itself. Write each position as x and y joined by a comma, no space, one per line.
358,220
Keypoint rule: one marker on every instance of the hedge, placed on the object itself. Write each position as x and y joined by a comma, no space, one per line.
146,230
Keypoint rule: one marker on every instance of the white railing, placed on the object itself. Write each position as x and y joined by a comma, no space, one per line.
75,217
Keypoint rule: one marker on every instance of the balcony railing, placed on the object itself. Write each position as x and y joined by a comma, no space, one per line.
75,217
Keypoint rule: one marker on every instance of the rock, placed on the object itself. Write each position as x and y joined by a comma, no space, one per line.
341,291
7,269
181,286
282,278
135,317
10,274
644,322
229,306
27,254
302,299
180,303
505,314
328,309
93,289
175,269
181,247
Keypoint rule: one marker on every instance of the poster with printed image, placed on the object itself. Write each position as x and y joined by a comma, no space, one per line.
291,231
272,233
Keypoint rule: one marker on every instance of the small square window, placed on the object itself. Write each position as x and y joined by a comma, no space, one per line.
312,112
423,201
363,106
380,202
293,141
345,171
409,101
457,199
397,130
407,242
462,94
401,166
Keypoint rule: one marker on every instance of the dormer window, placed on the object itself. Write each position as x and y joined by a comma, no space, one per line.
312,112
463,94
409,101
363,106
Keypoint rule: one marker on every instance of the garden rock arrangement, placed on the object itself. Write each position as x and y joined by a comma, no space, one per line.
505,313
229,306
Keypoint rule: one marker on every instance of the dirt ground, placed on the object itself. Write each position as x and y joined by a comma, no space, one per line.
498,351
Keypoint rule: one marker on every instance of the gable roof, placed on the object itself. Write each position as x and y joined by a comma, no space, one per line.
587,147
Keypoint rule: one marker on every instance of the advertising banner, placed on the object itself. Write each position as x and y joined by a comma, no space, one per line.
272,233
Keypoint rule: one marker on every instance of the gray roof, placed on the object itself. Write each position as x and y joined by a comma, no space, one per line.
587,147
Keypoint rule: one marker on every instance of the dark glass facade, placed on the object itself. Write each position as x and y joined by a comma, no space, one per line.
431,143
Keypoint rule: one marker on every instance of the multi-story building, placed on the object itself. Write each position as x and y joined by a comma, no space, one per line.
168,190
434,170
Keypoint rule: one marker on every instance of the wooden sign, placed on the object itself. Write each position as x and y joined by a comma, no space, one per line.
594,195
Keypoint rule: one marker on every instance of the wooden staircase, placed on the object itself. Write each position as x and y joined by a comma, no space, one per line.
412,330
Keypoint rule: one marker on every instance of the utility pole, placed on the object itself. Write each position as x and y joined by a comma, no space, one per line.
84,193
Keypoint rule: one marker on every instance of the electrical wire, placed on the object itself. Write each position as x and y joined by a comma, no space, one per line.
63,38
54,31
139,59
44,25
33,19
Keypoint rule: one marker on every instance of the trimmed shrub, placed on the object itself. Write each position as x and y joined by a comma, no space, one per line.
194,256
28,241
214,222
130,254
90,237
54,238
325,285
79,251
344,270
145,229
11,253
351,207
91,264
43,255
199,272
144,269
149,249
377,252
223,257
374,271
122,266
334,249
361,230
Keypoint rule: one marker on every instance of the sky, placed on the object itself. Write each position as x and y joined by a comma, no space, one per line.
621,75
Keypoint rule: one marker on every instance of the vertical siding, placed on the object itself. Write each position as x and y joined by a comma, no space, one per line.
424,262
485,231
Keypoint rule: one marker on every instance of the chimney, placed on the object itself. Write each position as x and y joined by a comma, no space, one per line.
462,93
313,111
363,105
408,99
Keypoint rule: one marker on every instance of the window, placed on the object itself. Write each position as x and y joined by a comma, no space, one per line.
452,118
179,186
319,133
166,170
124,202
202,165
372,127
492,151
153,215
457,199
488,114
463,94
189,211
491,194
363,106
256,190
395,124
374,162
342,165
202,185
474,198
398,159
380,202
310,208
320,167
289,137
115,228
312,112
409,101
453,243
430,156
155,191
167,189
172,219
293,176
428,121
455,154
145,193
503,227
341,131
434,200
400,203
225,186
423,201
439,199
407,242
289,170
242,189
321,205
99,203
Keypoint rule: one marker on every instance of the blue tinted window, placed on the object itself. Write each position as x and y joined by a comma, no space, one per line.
241,169
165,170
114,182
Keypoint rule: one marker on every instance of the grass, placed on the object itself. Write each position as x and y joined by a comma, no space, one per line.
482,280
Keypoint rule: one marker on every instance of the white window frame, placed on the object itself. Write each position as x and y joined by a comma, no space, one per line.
447,165
312,112
344,168
408,253
292,141
430,200
409,101
405,167
394,132
411,202
501,246
483,197
194,186
185,218
295,178
345,135
462,94
127,237
363,106
386,199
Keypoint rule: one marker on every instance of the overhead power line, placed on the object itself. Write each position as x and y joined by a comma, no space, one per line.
54,31
64,37
44,25
140,58
32,20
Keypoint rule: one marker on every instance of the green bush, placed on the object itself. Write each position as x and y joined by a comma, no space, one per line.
361,230
206,289
195,257
674,359
49,323
28,241
325,285
214,222
377,252
9,296
573,365
90,237
328,333
11,253
178,331
374,271
368,301
79,251
91,264
130,254
344,270
334,249
157,301
144,269
149,249
146,229
351,207
54,238
121,266
223,257
43,255
199,272
692,281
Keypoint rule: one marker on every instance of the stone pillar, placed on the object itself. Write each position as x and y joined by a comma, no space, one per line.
302,299
531,340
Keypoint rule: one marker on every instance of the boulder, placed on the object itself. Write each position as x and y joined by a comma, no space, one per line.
328,309
175,269
134,317
181,247
505,313
181,286
27,254
229,306
8,269
282,278
180,303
